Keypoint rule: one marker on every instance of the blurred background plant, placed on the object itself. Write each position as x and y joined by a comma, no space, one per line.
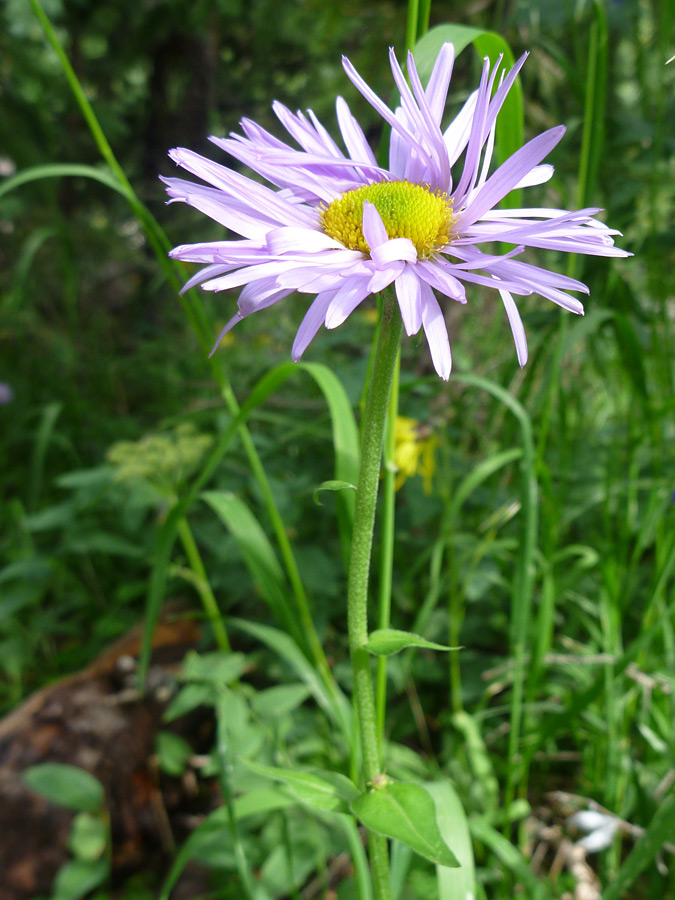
94,351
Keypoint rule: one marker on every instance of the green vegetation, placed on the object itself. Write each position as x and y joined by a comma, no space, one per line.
545,548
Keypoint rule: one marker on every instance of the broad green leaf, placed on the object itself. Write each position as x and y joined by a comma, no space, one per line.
318,788
189,698
213,668
173,752
66,785
280,700
78,877
428,47
509,135
659,830
386,641
257,802
88,837
457,883
405,812
335,705
288,867
332,486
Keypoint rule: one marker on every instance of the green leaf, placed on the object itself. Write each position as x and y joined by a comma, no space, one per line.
88,836
257,802
332,486
428,47
67,786
318,788
189,698
456,883
280,700
346,442
406,812
173,752
386,641
509,133
218,668
77,878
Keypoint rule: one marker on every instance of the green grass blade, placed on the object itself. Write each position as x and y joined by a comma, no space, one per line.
48,420
593,135
61,170
659,830
523,581
511,858
257,553
345,443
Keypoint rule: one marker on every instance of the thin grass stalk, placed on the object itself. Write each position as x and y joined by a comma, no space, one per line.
204,590
195,312
411,26
592,141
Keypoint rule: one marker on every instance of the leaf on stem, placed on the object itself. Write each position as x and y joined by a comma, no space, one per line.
386,641
407,813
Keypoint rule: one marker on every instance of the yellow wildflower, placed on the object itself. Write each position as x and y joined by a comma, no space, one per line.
414,453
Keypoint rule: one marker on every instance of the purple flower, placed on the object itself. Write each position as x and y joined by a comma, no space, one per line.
338,226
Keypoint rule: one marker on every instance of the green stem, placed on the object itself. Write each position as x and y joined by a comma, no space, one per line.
359,567
411,24
206,595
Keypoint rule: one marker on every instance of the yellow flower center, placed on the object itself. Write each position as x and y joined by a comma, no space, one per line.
407,211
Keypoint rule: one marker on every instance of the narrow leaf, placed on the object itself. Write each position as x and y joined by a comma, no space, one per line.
322,789
386,641
332,486
256,550
659,831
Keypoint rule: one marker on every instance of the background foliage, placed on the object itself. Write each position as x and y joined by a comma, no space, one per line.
94,349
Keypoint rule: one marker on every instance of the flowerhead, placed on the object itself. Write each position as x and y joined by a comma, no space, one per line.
336,226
